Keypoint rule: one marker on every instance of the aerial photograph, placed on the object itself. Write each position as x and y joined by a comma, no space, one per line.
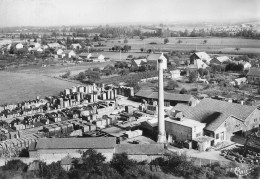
129,89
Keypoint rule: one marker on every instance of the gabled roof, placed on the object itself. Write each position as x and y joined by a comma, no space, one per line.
84,54
222,59
215,112
68,51
167,96
203,56
254,72
140,149
76,143
140,61
154,57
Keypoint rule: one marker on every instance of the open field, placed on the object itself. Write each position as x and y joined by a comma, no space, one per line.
18,87
59,69
213,44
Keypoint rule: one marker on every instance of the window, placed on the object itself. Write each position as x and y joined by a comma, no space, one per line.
217,136
198,134
255,120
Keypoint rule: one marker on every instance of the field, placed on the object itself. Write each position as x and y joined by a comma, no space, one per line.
18,87
214,44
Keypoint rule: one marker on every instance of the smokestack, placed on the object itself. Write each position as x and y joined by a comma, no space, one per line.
161,123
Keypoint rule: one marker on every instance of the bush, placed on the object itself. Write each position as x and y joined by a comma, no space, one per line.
66,74
15,165
184,91
172,84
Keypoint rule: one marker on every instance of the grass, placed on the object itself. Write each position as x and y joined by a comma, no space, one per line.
214,44
18,87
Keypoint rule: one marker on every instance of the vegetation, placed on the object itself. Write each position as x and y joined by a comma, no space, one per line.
172,84
166,40
92,165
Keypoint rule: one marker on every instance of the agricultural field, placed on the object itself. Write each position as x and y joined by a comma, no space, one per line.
213,44
18,87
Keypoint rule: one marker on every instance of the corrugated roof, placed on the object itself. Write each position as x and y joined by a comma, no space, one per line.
215,112
254,72
167,96
140,149
76,143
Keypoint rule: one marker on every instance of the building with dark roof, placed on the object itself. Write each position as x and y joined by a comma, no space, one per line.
169,98
253,76
141,152
223,119
58,148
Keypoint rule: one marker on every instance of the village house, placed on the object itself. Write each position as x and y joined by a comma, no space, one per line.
223,119
220,60
253,76
54,45
97,58
203,56
245,64
85,56
136,63
69,53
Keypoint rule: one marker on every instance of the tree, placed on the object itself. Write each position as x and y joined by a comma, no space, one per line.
166,40
184,91
93,76
172,84
142,37
141,49
125,41
123,72
66,74
193,76
179,41
121,163
205,41
15,165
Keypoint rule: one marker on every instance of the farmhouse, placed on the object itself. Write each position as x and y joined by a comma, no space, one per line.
169,98
223,119
97,58
253,76
58,148
220,60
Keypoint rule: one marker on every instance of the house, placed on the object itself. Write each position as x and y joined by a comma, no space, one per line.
175,74
220,60
203,56
253,76
170,99
240,81
76,46
54,45
136,63
19,46
85,55
245,64
69,53
141,152
97,58
55,149
223,119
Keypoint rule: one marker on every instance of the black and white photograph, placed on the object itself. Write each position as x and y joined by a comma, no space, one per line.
129,89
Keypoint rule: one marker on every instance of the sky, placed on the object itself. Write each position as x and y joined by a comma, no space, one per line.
89,12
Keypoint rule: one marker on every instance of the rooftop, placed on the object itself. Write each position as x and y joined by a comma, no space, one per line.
185,122
215,112
167,96
76,143
140,149
254,72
